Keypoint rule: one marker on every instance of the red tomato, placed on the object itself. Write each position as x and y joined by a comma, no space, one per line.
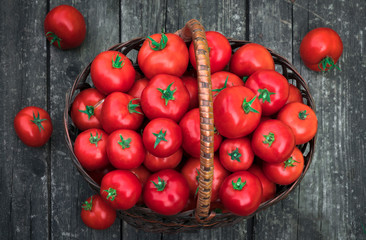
268,187
250,58
33,126
121,110
111,71
163,54
90,149
237,112
273,141
191,170
320,49
86,109
190,125
125,149
166,192
191,84
301,119
65,27
272,89
165,96
137,88
121,189
162,137
219,51
286,172
236,154
142,174
241,193
155,164
221,80
294,95
97,175
97,214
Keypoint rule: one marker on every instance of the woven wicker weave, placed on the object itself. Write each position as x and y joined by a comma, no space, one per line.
201,217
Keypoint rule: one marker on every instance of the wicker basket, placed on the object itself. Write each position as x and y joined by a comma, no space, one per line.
144,218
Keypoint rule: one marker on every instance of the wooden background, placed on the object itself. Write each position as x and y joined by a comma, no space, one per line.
41,191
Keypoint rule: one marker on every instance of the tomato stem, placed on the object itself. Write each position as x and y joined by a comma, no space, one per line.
89,110
118,62
303,115
124,143
154,45
95,139
327,64
112,193
87,206
290,162
238,185
38,121
197,180
269,139
235,155
167,94
55,38
132,107
247,106
218,90
160,186
159,137
265,95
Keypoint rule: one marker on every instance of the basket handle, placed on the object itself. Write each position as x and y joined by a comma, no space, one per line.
195,31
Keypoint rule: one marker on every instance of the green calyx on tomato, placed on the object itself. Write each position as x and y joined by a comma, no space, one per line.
290,162
303,115
125,143
265,95
269,139
95,139
159,137
38,121
218,90
197,179
132,107
118,62
245,78
247,106
55,38
327,62
160,186
89,110
112,193
87,206
167,94
235,155
238,185
154,45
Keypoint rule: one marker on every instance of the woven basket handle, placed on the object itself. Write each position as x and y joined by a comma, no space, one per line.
195,31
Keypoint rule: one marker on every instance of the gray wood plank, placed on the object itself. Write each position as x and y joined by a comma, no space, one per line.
24,170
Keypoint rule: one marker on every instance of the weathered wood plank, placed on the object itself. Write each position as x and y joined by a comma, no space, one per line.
24,170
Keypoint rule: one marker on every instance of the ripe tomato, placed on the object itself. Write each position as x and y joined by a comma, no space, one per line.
320,49
191,170
90,149
121,110
162,137
272,89
241,193
221,80
219,51
294,95
97,214
166,192
165,96
125,149
121,189
301,119
286,172
237,112
137,88
191,84
86,109
97,175
236,154
142,174
33,126
163,54
273,141
250,58
268,187
155,164
111,71
64,27
190,125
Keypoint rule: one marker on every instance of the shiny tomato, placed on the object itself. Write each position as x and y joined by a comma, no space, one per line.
268,187
321,48
97,214
86,109
301,119
162,137
236,154
241,193
192,86
121,189
111,71
121,110
142,174
33,126
163,54
294,95
165,96
272,89
137,88
250,58
273,141
155,164
219,51
90,149
286,172
166,192
125,149
237,112
65,27
221,80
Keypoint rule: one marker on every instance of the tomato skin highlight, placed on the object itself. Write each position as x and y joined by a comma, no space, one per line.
97,214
